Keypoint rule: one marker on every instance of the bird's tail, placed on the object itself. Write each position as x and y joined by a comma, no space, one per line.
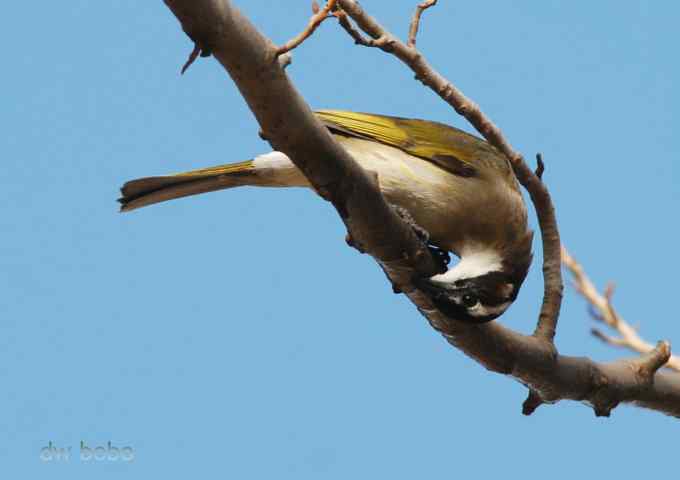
273,169
149,190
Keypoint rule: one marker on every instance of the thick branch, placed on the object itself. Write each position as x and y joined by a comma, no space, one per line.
607,314
291,127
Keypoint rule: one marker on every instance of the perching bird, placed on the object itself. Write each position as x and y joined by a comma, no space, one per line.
455,186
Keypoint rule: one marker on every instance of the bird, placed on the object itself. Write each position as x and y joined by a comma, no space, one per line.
459,191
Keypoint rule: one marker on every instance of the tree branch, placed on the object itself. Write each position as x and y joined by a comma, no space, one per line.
415,21
628,336
316,20
291,128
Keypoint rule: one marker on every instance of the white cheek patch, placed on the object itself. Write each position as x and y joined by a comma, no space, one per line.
480,310
473,264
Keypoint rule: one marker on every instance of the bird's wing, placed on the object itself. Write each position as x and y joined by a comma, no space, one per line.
451,149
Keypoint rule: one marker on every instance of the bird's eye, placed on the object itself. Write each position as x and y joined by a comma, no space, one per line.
469,300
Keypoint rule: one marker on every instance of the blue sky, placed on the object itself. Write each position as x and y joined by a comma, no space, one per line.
235,334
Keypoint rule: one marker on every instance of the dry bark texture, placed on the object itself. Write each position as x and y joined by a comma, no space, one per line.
217,27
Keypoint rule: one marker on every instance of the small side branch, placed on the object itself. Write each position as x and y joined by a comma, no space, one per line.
192,58
415,22
317,19
650,362
605,313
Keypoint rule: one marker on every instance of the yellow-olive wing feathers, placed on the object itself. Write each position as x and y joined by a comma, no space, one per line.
453,150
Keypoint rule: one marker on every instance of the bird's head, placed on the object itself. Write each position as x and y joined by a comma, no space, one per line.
479,288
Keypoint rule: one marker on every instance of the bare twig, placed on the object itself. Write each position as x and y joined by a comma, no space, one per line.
547,321
415,21
314,22
346,23
192,58
376,228
540,166
599,334
602,303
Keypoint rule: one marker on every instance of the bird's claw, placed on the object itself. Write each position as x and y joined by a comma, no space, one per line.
441,257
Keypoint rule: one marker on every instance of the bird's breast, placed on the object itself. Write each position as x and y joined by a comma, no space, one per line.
456,211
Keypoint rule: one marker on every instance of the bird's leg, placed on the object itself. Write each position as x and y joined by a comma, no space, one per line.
442,257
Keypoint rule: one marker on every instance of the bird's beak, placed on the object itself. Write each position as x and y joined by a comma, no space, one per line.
435,288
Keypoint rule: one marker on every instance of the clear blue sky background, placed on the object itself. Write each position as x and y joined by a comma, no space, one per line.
235,335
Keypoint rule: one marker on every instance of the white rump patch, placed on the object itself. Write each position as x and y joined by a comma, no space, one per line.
274,160
275,169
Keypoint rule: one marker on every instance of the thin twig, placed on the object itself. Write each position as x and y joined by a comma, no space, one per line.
316,20
415,21
192,58
602,304
346,23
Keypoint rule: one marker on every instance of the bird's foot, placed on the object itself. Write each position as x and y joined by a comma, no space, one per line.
441,257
